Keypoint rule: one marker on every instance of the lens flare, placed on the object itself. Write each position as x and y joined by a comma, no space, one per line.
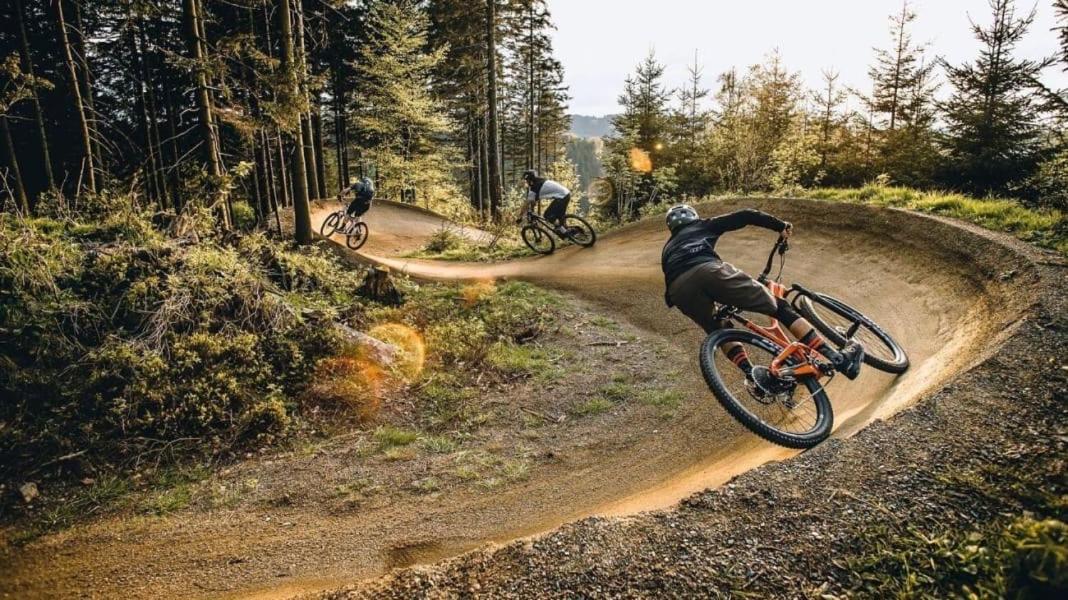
411,354
359,377
350,382
475,292
640,161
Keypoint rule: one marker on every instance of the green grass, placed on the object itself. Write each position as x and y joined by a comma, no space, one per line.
666,401
617,391
439,444
520,360
427,485
604,322
593,406
447,244
168,501
389,436
1044,228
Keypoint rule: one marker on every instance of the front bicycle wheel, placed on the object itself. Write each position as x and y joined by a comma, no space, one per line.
579,231
833,318
357,236
538,240
795,415
329,225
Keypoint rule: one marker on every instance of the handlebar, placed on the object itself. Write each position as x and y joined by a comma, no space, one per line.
781,247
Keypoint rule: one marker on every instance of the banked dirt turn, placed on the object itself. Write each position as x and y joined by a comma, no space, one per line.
949,292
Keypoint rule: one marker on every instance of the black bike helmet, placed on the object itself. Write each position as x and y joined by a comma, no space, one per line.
530,175
679,216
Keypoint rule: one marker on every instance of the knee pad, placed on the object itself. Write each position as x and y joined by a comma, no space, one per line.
785,313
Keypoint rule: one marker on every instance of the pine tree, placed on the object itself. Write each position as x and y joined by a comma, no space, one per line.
692,122
828,101
992,117
902,103
1061,7
635,153
459,84
897,71
399,120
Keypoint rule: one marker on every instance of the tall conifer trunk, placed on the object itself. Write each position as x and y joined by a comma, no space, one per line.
88,166
38,115
16,173
204,107
495,191
301,208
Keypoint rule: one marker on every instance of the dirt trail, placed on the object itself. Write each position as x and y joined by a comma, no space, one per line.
915,275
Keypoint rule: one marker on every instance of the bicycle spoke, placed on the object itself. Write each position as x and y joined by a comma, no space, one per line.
794,412
872,343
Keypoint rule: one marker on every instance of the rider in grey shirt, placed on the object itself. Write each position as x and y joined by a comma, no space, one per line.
539,188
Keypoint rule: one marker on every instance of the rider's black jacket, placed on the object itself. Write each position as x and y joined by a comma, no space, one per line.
695,243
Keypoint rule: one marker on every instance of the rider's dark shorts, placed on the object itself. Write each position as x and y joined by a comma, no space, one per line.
697,291
557,208
358,207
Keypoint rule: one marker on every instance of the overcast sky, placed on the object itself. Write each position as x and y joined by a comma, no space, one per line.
601,41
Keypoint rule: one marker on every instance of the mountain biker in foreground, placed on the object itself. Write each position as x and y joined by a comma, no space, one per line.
696,279
363,192
539,188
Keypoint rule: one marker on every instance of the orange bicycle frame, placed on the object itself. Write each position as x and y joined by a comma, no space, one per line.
800,354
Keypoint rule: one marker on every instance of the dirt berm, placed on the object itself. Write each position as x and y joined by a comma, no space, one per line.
982,317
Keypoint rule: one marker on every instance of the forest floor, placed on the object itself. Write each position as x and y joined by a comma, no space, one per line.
356,503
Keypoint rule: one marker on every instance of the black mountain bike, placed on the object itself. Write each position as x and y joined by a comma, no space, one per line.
784,400
353,228
538,233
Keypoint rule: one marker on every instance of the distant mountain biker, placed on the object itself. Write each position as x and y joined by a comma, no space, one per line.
696,279
539,188
363,192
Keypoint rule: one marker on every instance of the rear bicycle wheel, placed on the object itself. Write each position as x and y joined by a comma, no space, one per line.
330,224
797,415
833,318
357,236
579,231
538,239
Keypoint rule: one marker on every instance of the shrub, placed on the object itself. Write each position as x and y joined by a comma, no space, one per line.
117,339
461,326
244,216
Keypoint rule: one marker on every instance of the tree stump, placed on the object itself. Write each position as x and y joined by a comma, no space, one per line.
378,286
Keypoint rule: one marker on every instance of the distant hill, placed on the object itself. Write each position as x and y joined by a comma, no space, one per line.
591,127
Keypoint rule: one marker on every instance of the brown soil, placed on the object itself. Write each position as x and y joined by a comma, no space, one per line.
990,444
950,293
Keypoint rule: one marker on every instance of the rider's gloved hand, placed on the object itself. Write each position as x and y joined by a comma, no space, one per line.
787,231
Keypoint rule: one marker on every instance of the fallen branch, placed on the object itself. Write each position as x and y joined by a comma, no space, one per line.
615,343
542,416
60,459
